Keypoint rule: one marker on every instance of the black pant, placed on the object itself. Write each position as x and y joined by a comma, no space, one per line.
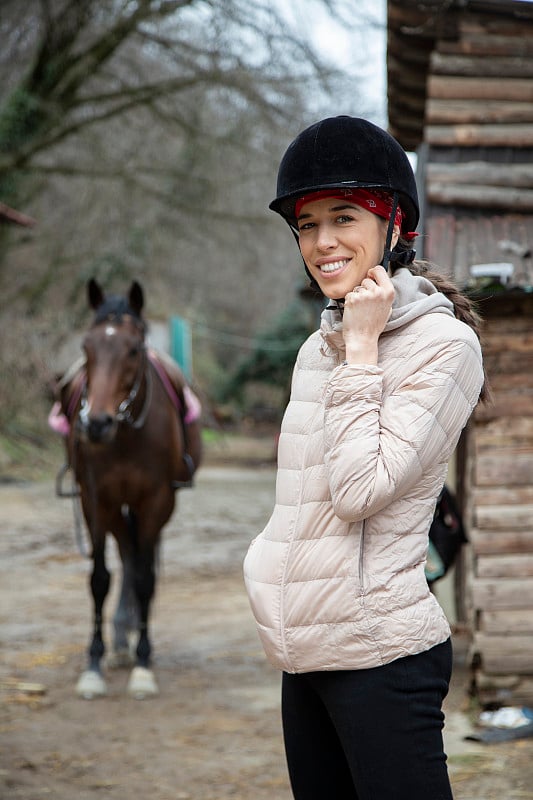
370,734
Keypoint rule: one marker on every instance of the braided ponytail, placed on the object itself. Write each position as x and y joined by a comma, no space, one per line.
464,308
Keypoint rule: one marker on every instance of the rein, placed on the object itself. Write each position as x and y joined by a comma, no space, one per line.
124,410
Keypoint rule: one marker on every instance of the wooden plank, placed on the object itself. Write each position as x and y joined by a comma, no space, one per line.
507,517
491,594
505,432
507,404
510,382
507,367
522,319
446,87
472,196
496,24
505,654
507,622
483,44
475,66
515,565
521,341
501,469
483,173
500,495
441,240
506,689
500,542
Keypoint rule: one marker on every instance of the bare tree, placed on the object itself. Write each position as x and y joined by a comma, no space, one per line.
81,63
143,136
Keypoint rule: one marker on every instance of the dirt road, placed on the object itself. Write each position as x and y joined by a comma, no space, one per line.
214,730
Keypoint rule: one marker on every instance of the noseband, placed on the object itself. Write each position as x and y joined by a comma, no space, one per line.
125,410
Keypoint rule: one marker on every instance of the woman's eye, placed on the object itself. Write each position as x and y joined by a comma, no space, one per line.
305,226
345,218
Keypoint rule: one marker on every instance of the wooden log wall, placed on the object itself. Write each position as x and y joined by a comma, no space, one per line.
500,509
479,98
460,83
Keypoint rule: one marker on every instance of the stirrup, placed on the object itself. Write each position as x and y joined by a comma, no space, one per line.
60,492
190,466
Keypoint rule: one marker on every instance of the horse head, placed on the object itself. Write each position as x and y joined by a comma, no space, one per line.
115,363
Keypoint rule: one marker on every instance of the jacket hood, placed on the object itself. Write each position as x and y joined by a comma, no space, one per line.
414,297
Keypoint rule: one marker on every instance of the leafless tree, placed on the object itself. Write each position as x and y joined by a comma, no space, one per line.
143,136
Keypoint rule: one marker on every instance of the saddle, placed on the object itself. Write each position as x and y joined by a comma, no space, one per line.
70,387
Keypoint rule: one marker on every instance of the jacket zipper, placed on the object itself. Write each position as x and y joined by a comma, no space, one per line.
361,557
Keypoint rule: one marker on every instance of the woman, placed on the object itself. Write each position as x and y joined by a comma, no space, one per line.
379,397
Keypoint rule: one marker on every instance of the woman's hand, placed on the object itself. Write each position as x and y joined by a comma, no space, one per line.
366,311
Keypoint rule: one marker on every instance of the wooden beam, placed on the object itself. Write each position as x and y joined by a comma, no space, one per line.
446,87
482,173
509,565
491,594
500,542
507,688
499,468
482,196
507,622
461,112
481,66
507,517
494,436
505,405
15,217
483,44
479,135
505,654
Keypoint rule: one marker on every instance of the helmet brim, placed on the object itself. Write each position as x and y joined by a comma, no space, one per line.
285,206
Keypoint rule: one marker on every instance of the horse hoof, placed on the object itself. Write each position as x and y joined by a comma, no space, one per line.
91,685
142,683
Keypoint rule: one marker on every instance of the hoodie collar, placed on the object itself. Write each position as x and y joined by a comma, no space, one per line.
414,297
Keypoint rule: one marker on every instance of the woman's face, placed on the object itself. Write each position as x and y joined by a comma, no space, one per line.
340,242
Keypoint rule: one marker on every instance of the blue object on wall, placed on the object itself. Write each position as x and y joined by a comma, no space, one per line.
180,344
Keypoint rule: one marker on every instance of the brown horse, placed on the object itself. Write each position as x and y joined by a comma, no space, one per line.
131,444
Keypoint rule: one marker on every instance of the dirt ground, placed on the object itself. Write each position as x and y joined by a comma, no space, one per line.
214,730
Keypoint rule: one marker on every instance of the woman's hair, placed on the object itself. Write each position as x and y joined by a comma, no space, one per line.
464,308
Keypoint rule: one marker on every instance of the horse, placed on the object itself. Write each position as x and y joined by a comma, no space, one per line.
133,439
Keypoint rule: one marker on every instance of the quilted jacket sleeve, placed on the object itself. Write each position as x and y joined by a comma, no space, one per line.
379,445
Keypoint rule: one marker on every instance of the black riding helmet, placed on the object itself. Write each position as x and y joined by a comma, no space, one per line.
346,152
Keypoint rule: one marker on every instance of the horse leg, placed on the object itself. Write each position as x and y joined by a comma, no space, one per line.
91,683
142,682
126,619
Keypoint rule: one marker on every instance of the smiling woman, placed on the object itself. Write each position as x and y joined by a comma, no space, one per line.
380,395
341,239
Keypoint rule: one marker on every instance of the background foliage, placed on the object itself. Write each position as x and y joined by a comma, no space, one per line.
143,136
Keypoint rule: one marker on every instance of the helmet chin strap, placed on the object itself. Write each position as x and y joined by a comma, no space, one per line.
390,230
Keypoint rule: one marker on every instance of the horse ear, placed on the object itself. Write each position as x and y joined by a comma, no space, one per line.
136,298
94,294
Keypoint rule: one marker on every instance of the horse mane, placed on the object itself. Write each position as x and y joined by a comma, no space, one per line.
114,308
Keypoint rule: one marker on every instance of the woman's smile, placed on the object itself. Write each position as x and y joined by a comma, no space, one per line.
328,267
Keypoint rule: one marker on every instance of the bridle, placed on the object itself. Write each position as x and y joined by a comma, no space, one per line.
125,410
124,413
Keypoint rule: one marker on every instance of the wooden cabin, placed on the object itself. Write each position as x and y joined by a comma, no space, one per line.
460,94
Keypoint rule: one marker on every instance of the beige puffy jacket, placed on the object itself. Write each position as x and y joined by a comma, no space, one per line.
336,579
